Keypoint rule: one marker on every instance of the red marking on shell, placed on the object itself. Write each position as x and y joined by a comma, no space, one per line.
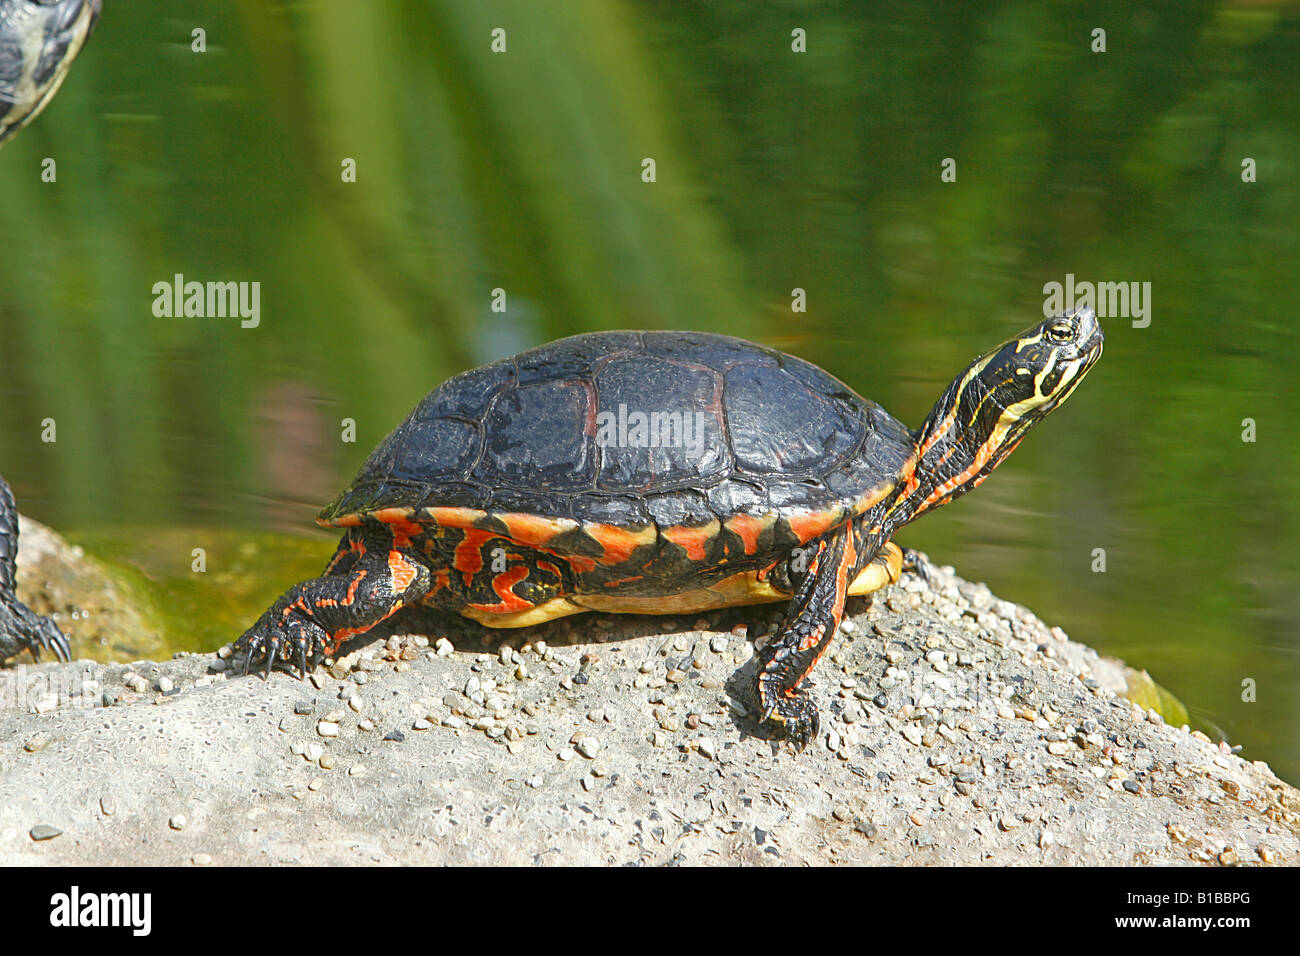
618,581
502,584
468,559
403,531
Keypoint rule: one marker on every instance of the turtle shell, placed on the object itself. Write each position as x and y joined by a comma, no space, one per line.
646,435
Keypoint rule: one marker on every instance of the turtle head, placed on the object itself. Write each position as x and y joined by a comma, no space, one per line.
986,411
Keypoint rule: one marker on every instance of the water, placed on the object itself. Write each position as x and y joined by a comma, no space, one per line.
774,171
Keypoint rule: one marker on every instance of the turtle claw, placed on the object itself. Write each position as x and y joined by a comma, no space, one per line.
270,641
796,716
917,562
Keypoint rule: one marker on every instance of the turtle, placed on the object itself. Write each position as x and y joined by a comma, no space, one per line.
39,39
661,472
20,627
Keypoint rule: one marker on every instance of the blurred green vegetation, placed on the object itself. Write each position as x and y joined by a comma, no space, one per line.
775,170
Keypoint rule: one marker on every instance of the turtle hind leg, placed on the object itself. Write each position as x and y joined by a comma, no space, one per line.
810,625
371,577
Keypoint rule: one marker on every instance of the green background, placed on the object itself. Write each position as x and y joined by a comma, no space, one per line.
775,170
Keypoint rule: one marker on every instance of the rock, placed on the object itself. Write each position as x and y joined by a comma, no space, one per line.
990,778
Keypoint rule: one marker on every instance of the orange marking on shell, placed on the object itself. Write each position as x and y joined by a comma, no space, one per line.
502,584
455,517
534,530
392,515
468,559
402,570
809,524
548,566
441,580
694,540
618,543
747,528
342,521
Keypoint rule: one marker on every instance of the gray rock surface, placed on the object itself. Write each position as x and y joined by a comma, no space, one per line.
956,728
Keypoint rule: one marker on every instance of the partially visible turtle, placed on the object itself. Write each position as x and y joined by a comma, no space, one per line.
20,627
39,39
662,472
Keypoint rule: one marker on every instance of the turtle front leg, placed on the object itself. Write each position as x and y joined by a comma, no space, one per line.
369,579
810,625
21,628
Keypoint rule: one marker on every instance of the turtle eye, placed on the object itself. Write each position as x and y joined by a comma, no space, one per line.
1060,333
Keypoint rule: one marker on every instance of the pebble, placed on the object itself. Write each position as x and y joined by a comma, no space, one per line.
588,746
37,743
313,752
912,734
44,831
567,753
366,724
1132,786
327,728
327,761
107,805
166,685
302,708
201,859
315,784
443,647
707,747
453,722
421,723
178,822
